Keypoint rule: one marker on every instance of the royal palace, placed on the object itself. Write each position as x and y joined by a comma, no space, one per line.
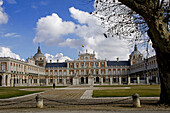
86,70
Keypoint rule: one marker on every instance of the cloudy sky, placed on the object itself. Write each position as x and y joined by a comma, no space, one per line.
60,26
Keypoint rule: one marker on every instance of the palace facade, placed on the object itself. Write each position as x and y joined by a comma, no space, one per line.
86,70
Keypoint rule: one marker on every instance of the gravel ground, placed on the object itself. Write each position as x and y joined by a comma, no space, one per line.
77,111
63,101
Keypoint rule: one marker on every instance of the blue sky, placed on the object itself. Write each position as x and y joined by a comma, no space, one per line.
60,26
22,18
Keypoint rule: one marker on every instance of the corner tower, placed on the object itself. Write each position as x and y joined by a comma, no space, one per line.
39,58
135,56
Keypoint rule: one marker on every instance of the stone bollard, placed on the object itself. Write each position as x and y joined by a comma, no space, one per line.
39,100
136,100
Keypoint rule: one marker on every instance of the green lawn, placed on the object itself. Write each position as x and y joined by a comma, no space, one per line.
8,92
142,90
13,92
41,87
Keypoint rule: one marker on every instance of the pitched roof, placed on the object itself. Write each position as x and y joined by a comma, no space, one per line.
64,64
119,63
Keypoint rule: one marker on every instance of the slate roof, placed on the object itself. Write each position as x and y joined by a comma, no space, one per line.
135,53
39,54
120,63
64,64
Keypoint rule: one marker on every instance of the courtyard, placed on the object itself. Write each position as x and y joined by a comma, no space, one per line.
82,98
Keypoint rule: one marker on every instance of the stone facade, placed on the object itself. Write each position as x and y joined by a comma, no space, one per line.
86,70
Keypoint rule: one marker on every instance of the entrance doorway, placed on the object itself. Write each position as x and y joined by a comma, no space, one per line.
86,80
0,80
6,80
82,80
71,81
97,79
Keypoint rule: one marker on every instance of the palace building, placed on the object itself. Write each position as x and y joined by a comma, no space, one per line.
86,70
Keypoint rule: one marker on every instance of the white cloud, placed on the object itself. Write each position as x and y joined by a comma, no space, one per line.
43,3
3,15
11,1
34,6
151,50
91,36
51,28
58,56
6,52
14,35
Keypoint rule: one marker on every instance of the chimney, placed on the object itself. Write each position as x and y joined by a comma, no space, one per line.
117,59
50,61
57,60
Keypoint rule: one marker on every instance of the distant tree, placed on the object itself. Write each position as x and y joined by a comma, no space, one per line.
134,18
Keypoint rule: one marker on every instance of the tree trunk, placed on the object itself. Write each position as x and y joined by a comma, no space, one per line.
161,46
164,73
160,37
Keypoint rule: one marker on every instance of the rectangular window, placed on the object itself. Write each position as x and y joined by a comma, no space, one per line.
102,72
3,66
109,72
55,73
118,72
60,73
77,72
87,65
97,72
96,65
123,72
51,80
102,64
64,73
114,72
35,80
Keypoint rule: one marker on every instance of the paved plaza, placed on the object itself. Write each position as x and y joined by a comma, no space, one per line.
76,99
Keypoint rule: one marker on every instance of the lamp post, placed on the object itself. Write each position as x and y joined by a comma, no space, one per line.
146,60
